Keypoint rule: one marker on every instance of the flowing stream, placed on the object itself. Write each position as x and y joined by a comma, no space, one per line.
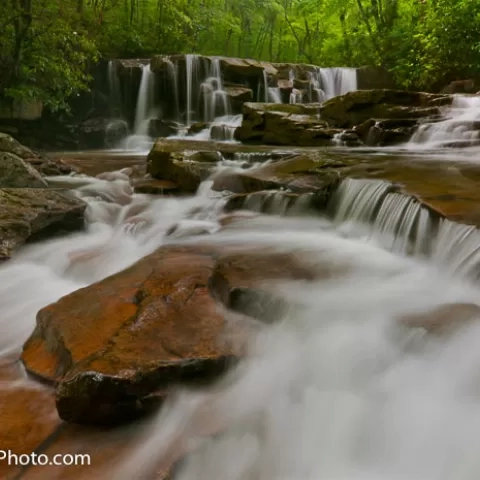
338,388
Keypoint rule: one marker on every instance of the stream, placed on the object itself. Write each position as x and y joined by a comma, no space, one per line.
336,388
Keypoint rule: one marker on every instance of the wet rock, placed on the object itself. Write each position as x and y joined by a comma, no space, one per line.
10,145
28,415
16,173
116,345
197,127
299,174
51,167
238,96
130,65
188,228
155,187
356,107
162,128
284,124
385,137
239,281
100,132
187,169
460,86
445,318
236,217
28,214
243,67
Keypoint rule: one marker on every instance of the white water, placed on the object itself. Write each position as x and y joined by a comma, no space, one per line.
216,101
326,83
114,91
145,111
461,125
336,390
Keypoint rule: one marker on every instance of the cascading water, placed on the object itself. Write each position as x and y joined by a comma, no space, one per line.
192,72
145,101
459,127
338,388
114,91
216,102
326,83
144,112
172,70
396,221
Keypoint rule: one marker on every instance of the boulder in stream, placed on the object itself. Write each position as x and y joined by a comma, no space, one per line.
284,124
10,145
28,214
17,173
187,169
118,346
354,108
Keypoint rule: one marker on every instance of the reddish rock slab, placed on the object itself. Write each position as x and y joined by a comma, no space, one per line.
115,345
28,415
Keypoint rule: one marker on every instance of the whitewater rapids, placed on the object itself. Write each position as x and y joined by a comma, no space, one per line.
337,389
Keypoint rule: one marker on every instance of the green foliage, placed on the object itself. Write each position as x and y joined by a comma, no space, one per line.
46,46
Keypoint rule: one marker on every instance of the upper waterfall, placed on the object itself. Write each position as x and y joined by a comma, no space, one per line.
186,89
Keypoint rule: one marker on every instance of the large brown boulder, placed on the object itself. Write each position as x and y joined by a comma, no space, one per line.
186,169
238,95
28,214
244,67
10,145
354,108
284,124
117,346
17,173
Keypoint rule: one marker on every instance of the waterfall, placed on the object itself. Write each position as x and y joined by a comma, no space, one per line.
295,96
338,81
172,70
114,92
192,72
274,95
216,102
398,222
460,125
145,101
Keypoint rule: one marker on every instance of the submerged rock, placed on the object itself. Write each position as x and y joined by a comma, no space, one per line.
153,186
444,319
299,174
28,214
